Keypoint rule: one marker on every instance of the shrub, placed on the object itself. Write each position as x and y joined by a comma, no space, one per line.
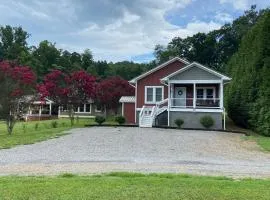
24,127
179,123
54,124
207,121
36,126
120,119
99,120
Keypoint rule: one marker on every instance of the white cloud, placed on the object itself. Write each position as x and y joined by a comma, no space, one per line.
223,17
120,40
113,31
238,4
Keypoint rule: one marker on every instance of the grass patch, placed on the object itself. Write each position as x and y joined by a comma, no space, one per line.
123,186
262,141
36,131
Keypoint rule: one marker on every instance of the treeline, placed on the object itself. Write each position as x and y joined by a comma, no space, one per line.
248,94
46,56
213,49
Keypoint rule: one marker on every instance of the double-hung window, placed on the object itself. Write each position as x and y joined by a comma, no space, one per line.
205,93
153,94
84,108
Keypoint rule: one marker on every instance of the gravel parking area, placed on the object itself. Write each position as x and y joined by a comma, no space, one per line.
105,149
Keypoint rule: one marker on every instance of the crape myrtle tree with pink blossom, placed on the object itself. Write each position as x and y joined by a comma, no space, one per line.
17,84
69,90
110,90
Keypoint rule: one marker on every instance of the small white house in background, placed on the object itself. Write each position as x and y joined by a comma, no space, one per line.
39,110
47,109
86,110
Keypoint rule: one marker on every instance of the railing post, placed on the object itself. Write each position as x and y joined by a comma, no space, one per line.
169,102
194,95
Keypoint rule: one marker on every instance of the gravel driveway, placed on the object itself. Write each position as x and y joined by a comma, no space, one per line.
105,149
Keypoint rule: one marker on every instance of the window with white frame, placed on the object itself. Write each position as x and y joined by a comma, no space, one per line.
84,108
153,94
205,92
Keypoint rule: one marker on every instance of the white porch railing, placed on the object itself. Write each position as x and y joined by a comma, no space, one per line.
199,103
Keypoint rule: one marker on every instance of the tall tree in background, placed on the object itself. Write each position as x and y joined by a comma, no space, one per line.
127,70
213,49
16,82
248,95
45,57
87,59
13,44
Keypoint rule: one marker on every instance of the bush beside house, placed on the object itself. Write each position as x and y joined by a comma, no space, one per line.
207,121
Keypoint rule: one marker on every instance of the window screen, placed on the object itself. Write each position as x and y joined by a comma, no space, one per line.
199,93
158,94
209,93
149,94
87,108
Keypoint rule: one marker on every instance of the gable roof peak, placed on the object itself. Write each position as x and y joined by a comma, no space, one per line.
197,65
134,80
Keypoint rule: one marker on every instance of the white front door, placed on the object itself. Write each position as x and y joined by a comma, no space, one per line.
180,94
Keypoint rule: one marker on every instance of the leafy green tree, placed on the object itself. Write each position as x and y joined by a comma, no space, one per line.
45,57
87,59
248,94
13,43
127,70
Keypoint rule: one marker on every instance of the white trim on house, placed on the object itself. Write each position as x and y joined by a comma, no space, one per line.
205,91
154,94
84,109
196,81
127,99
210,110
134,80
195,64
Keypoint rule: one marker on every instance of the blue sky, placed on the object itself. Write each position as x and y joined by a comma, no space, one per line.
116,30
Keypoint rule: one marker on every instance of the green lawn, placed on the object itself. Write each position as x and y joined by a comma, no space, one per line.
36,131
132,186
262,141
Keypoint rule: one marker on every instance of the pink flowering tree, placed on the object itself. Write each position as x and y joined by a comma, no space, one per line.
17,83
110,90
68,89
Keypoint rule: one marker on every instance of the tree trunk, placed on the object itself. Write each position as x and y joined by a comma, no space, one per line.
71,114
10,124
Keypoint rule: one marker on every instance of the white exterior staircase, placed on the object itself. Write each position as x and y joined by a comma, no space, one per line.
149,113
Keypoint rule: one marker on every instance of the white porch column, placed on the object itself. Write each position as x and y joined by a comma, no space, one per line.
221,95
194,95
169,102
50,112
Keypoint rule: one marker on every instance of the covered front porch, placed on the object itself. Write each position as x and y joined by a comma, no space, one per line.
195,94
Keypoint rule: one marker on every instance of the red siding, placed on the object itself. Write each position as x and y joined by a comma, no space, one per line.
154,80
129,112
